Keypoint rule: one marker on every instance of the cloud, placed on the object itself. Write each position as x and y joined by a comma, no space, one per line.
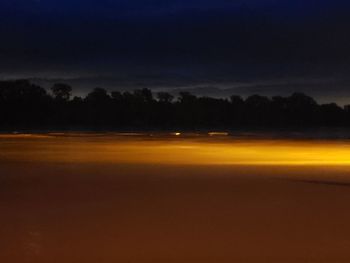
178,44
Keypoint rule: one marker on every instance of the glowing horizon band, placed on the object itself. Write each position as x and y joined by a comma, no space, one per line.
174,150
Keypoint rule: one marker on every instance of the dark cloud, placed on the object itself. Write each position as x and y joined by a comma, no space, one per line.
178,44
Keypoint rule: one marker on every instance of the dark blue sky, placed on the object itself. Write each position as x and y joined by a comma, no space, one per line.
209,47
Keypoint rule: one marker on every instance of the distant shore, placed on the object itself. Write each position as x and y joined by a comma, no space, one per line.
24,105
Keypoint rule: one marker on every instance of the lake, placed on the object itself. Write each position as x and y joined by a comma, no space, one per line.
174,197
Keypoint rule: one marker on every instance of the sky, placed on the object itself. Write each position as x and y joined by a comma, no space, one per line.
216,47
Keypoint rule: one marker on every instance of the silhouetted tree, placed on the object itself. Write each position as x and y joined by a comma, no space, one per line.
26,105
164,110
165,97
186,97
302,110
23,104
331,114
237,110
279,108
144,95
258,109
117,96
97,96
98,107
186,110
61,91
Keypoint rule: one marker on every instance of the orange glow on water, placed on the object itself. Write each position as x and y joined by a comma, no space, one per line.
173,150
83,197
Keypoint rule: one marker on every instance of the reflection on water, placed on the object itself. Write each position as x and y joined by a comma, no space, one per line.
174,198
215,148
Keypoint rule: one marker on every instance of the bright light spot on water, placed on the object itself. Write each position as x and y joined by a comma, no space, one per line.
205,150
218,133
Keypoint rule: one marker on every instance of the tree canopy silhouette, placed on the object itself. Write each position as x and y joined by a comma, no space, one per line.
26,105
62,91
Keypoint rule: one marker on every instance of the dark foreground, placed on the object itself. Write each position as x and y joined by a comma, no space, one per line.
60,204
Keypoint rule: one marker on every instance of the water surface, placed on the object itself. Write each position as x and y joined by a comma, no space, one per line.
112,197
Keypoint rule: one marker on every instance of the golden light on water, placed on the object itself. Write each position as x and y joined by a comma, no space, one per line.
129,197
202,150
218,133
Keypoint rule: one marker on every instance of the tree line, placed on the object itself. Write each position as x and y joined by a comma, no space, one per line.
26,105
